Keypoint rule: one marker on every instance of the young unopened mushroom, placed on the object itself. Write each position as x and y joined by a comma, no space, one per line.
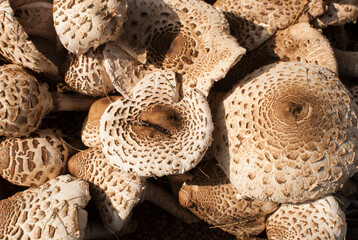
15,43
209,194
33,160
318,219
81,25
253,22
152,134
116,192
24,101
287,133
189,37
54,210
90,129
87,75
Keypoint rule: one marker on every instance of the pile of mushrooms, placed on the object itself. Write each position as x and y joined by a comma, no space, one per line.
231,114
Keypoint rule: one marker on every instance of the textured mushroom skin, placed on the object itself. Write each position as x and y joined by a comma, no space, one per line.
189,37
114,191
23,101
87,75
211,196
33,160
319,219
287,133
81,25
54,210
16,47
147,147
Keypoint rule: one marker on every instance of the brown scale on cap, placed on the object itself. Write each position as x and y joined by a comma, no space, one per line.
210,195
15,43
31,161
319,219
87,75
253,22
189,37
287,133
81,25
54,210
152,134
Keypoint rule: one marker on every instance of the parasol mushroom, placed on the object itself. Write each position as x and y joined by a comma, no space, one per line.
54,210
188,37
287,133
81,25
318,219
151,134
33,160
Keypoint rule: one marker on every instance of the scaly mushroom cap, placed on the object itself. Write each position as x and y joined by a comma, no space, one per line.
151,134
16,47
54,210
253,22
319,219
81,25
33,160
90,130
210,195
115,192
189,37
87,75
287,133
23,101
339,12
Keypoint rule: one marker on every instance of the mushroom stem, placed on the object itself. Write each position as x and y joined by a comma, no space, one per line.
71,102
167,202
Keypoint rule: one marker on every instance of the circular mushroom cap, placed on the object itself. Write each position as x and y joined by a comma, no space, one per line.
210,195
16,47
287,133
87,75
189,37
115,192
22,101
319,219
151,134
90,130
81,25
54,210
33,160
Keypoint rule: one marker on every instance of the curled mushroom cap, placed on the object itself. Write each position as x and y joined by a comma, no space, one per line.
81,25
210,195
33,160
151,134
54,210
253,22
189,37
87,75
16,46
319,219
90,129
115,192
287,133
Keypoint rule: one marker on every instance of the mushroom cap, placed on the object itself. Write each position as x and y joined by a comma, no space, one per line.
87,75
189,37
151,134
33,160
54,210
287,133
81,25
318,219
115,192
90,129
16,47
23,101
210,195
